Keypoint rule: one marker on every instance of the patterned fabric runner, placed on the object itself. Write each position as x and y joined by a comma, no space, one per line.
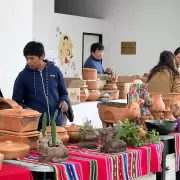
86,164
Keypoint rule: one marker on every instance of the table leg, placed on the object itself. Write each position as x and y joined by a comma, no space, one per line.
162,175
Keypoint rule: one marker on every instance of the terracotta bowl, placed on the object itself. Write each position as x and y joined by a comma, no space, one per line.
61,132
94,95
73,132
89,74
13,150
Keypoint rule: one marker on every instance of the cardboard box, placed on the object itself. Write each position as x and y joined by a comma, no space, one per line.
74,95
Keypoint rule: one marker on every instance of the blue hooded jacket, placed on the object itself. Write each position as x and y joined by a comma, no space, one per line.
41,90
93,63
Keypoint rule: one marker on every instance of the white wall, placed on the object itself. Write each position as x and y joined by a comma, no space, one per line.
16,31
46,21
154,25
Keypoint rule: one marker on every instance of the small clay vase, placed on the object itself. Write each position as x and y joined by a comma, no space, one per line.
175,98
61,132
89,74
93,84
84,94
168,115
94,95
73,132
158,104
110,87
167,102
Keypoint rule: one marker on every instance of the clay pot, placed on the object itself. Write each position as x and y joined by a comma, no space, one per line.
158,115
61,132
84,94
8,104
13,150
168,115
89,74
110,87
29,138
158,104
94,95
111,112
175,98
1,160
73,132
19,120
115,95
167,102
93,84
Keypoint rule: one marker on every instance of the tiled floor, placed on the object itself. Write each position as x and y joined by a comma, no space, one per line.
170,175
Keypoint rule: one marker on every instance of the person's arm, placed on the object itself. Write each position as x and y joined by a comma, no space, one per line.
176,85
63,94
19,92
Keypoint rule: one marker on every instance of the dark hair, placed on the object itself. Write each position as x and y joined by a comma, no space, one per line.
65,37
97,46
177,51
34,48
166,61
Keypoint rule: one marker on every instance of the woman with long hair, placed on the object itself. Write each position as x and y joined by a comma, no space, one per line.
164,77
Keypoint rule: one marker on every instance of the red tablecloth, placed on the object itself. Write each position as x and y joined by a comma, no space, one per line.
10,172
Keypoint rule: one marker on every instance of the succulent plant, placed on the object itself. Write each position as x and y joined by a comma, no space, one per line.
53,129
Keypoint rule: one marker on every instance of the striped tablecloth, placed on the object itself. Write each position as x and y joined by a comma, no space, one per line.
86,164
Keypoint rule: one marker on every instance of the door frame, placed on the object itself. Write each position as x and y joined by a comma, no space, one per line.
91,34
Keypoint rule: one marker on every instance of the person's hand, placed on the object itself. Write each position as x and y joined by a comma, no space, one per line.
109,71
63,106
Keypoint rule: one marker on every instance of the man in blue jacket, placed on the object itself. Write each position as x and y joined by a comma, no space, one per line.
95,59
40,85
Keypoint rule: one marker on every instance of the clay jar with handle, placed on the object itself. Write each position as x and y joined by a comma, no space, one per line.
89,74
73,132
175,98
158,104
13,150
61,132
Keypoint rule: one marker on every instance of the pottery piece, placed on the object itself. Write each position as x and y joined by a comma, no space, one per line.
89,74
168,115
8,104
110,87
93,84
158,104
19,120
1,160
84,94
73,132
112,112
175,98
29,138
13,150
167,102
115,95
93,95
61,132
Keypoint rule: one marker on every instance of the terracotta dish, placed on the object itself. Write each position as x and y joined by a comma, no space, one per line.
20,120
13,150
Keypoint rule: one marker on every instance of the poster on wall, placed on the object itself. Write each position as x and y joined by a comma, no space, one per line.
66,59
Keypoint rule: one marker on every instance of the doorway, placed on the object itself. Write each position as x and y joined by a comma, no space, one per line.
87,41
